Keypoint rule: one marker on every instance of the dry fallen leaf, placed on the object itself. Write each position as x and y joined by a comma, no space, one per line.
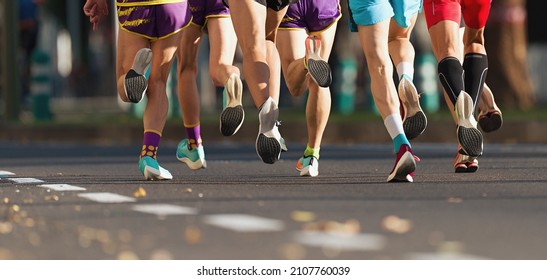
192,235
127,255
51,197
395,224
6,227
161,254
455,200
188,190
302,216
139,192
293,251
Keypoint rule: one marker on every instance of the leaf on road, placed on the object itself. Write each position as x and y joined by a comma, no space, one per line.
397,225
51,198
455,200
302,216
192,235
139,192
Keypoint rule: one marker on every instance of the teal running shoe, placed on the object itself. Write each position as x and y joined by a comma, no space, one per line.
195,158
308,166
151,170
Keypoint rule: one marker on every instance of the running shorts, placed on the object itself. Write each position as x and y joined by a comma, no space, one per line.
475,12
154,21
368,12
275,5
313,15
205,9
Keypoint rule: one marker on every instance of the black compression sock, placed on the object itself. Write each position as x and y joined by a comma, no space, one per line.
451,77
475,66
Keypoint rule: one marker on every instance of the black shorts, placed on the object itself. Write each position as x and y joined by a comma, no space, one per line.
275,5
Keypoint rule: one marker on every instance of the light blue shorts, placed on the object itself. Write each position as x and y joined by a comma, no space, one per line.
368,12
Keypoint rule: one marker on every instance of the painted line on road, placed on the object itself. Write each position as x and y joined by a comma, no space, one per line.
342,241
164,209
4,173
25,180
244,223
62,187
106,197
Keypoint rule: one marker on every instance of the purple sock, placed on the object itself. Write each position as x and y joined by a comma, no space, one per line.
194,136
150,144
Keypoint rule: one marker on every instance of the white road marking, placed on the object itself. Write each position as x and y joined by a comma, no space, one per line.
25,180
4,173
442,256
62,187
106,197
244,223
342,241
164,209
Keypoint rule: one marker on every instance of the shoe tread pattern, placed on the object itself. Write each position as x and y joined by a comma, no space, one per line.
231,120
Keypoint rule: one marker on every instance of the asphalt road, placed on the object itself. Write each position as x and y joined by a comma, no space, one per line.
92,203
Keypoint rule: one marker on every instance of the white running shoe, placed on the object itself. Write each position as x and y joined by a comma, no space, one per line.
135,84
269,142
490,117
233,115
414,119
308,166
469,137
151,170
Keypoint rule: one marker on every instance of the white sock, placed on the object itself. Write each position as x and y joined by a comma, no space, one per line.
406,68
394,125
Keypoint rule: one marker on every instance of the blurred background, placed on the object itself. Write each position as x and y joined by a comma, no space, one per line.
56,69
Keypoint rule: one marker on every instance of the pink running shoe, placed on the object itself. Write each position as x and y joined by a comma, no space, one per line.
405,164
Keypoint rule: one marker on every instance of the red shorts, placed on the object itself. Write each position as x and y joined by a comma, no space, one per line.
475,12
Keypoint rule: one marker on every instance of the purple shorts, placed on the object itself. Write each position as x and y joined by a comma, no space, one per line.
313,15
154,21
204,9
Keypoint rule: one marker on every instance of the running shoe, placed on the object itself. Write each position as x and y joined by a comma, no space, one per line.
318,68
135,82
151,170
490,118
269,142
405,164
308,166
414,120
469,137
194,158
233,115
464,163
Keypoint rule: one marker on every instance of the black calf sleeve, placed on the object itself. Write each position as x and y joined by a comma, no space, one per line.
475,66
451,77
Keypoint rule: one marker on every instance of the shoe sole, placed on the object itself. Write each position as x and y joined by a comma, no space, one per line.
309,172
320,72
231,120
318,68
232,116
472,168
460,168
491,121
152,174
469,137
135,86
193,165
414,126
416,123
404,167
268,148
